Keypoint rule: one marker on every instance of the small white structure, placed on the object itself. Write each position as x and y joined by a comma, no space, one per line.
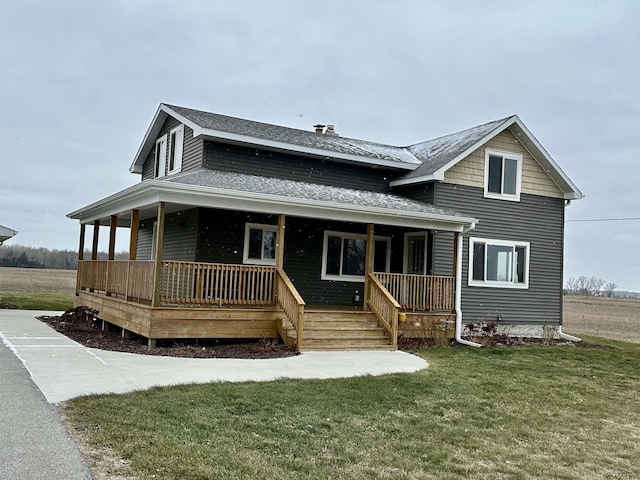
6,233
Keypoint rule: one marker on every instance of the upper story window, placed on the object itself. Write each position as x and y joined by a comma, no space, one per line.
344,256
260,244
498,263
502,175
161,156
176,141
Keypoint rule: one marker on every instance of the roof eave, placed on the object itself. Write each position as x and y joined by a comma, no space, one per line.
153,191
535,148
148,141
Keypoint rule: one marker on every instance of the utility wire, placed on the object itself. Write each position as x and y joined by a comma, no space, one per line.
604,219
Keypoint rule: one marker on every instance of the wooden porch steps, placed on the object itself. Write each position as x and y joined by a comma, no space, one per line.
338,330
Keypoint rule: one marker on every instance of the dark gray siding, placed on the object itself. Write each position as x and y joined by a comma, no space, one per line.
191,152
221,234
221,240
180,237
535,219
231,158
423,192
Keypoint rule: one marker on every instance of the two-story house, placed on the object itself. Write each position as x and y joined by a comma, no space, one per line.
246,229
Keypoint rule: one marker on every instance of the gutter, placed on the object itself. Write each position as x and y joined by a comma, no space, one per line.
458,299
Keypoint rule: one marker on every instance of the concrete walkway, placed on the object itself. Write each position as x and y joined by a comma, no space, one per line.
64,369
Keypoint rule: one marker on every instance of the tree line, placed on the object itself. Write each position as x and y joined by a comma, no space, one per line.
589,286
39,257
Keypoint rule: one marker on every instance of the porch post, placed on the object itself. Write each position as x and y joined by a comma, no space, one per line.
133,240
94,246
80,256
94,249
113,225
280,242
133,246
368,264
158,257
81,246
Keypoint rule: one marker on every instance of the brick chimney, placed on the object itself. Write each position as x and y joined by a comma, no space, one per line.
319,129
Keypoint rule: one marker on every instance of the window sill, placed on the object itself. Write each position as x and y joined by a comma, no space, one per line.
497,196
343,278
516,286
255,261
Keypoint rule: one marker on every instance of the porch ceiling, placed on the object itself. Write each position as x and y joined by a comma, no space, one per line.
252,193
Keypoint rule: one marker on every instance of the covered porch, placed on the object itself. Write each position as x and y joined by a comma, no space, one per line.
205,300
163,297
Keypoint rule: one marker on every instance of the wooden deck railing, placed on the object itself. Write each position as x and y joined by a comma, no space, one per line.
130,279
180,282
382,303
216,283
420,292
290,301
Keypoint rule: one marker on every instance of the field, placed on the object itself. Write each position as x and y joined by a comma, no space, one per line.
615,318
31,280
37,289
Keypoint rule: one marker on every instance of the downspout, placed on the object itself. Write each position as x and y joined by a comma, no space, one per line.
458,299
566,336
561,334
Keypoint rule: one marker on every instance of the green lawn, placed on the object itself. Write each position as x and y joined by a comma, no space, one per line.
490,413
39,301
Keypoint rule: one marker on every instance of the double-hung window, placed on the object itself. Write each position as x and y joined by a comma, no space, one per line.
344,256
260,244
176,141
502,175
498,263
161,156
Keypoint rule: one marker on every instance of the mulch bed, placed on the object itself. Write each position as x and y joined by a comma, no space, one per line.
79,324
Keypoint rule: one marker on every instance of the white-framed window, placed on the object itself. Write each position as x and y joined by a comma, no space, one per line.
502,175
161,156
498,263
260,244
344,256
416,253
176,142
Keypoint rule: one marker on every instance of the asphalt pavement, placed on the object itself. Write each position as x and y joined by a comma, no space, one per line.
34,445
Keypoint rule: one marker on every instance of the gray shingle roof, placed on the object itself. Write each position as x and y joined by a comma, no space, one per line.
292,136
303,190
435,154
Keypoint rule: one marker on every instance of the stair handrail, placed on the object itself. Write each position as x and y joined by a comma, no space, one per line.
385,307
291,303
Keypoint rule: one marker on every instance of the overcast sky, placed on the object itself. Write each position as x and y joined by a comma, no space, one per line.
81,80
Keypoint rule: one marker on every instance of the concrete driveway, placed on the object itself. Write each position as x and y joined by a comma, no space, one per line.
64,369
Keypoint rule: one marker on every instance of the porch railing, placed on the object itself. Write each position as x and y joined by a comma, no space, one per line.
130,279
386,308
216,283
420,292
180,282
290,301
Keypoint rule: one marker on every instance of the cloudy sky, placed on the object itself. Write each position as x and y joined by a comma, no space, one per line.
80,81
